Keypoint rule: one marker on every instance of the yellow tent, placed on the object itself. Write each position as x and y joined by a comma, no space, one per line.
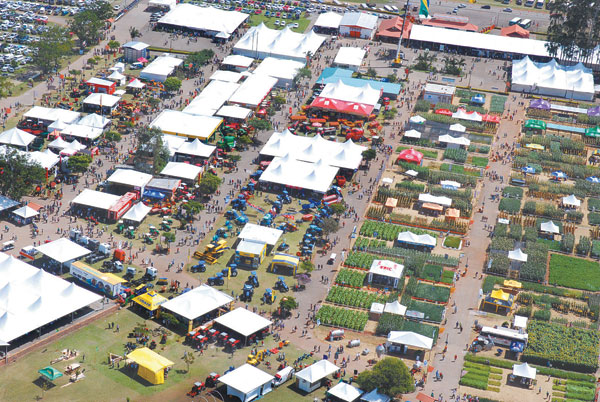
513,284
151,365
499,294
535,146
285,260
499,298
150,300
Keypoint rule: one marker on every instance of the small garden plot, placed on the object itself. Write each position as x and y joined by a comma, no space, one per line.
453,242
427,153
388,231
567,348
593,204
510,205
572,272
392,322
497,104
430,292
433,312
482,149
456,154
353,297
481,376
342,317
432,272
350,277
479,161
447,277
512,192
460,169
573,390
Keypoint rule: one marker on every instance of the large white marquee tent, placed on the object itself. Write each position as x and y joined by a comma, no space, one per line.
553,79
260,42
254,90
284,70
160,68
186,125
294,173
208,19
212,97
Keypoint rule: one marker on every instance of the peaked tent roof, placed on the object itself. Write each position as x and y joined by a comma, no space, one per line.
571,200
446,138
394,308
329,20
345,392
246,378
410,237
180,170
137,213
410,155
196,148
204,18
198,302
26,212
375,396
409,338
515,31
17,137
549,227
317,371
387,268
524,370
243,321
517,255
62,250
94,120
136,83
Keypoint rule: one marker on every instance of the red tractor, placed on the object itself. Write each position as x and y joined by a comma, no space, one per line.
232,344
212,380
196,389
222,338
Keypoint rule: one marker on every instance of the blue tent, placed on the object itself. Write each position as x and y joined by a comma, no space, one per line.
478,99
154,194
517,347
559,174
528,169
593,179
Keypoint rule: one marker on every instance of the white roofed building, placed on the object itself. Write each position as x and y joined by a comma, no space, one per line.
129,180
285,70
350,57
328,23
236,113
134,50
358,25
160,68
247,382
237,62
100,103
186,125
385,273
63,250
423,242
227,76
83,133
253,91
265,234
244,323
436,93
309,379
212,98
209,20
185,171
48,116
286,171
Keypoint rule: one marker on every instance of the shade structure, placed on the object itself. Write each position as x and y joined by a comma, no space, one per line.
94,120
46,159
458,128
517,255
285,171
535,146
549,227
342,98
137,213
26,212
50,115
136,84
394,308
254,90
283,69
243,322
207,19
535,124
524,370
440,200
409,338
464,115
246,378
128,177
227,76
418,240
150,300
345,392
198,302
571,201
375,396
592,132
58,125
50,373
528,169
58,143
160,68
460,141
184,171
417,119
317,371
410,155
212,98
196,148
186,125
594,111
234,112
96,199
450,184
151,365
539,104
62,250
386,268
412,134
329,20
82,132
559,174
16,137
350,56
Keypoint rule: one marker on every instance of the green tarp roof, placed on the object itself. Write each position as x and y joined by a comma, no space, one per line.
50,373
592,132
535,124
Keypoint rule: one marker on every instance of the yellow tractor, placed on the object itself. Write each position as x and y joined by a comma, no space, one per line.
257,358
212,252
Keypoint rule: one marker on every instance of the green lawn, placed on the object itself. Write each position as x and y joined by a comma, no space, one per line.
96,341
479,161
256,19
572,272
452,242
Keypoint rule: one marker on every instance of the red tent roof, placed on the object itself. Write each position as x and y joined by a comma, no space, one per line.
514,31
360,109
391,28
410,155
442,23
445,112
491,118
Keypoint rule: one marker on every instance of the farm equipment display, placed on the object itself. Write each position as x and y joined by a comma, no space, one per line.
231,271
197,388
281,285
269,296
212,380
335,335
253,280
247,293
212,252
216,280
199,267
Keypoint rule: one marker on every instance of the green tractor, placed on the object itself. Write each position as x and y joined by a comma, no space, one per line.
153,230
120,227
165,226
148,238
130,232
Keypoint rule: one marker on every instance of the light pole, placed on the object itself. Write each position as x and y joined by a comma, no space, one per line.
402,30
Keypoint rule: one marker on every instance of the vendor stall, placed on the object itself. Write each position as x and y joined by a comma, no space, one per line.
250,253
344,392
399,341
151,365
248,325
104,282
385,273
150,302
247,383
311,378
285,262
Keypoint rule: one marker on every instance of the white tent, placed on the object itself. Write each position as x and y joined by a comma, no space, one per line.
549,227
94,120
351,57
409,338
129,177
417,119
50,115
366,94
26,212
58,125
196,148
234,112
310,377
517,255
345,392
412,134
374,396
458,128
377,308
254,90
104,100
95,199
329,20
295,173
240,63
117,77
197,302
31,298
227,76
283,69
62,250
212,97
170,4
460,141
265,234
247,382
260,42
136,84
173,142
421,240
46,159
186,125
571,201
440,200
180,170
524,370
450,184
137,213
553,79
463,115
394,308
520,321
207,19
243,322
16,137
80,131
160,68
385,272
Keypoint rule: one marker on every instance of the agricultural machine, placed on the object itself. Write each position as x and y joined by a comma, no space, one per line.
269,297
199,267
234,271
212,380
253,280
239,217
281,285
216,280
335,335
212,252
247,293
197,388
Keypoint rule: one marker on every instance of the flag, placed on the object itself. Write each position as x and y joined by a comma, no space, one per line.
424,9
229,273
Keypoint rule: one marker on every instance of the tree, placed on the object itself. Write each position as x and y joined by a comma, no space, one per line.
369,154
172,84
209,183
102,9
392,78
574,30
134,33
371,72
307,266
305,72
453,65
114,45
259,124
288,303
86,25
54,44
5,87
278,101
192,207
425,61
338,208
201,58
113,136
390,376
330,225
188,358
169,237
79,163
18,175
151,154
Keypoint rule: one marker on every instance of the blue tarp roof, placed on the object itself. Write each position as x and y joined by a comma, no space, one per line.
333,74
154,194
6,203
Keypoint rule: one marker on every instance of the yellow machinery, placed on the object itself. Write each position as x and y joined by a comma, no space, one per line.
257,358
212,252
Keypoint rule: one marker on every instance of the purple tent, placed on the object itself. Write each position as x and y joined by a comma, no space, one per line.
539,104
595,111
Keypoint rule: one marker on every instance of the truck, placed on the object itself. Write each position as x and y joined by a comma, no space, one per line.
283,376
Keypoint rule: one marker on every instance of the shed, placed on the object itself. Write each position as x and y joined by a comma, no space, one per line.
436,93
99,85
134,50
25,215
247,382
309,379
250,253
385,273
252,231
344,392
245,323
358,25
151,365
184,171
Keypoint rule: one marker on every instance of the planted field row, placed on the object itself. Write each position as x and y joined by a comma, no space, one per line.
480,376
431,292
572,272
350,277
353,297
364,260
388,231
362,243
432,312
343,318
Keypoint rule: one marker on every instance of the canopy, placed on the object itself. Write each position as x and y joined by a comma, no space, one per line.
317,371
464,115
412,134
266,234
58,143
386,268
138,212
571,200
52,114
116,76
448,139
559,174
421,240
374,396
417,119
160,68
238,61
94,120
345,392
227,76
62,250
535,124
285,259
528,169
50,373
594,111
524,370
198,302
16,137
539,104
329,20
284,70
151,365
212,98
517,255
81,131
549,227
150,300
350,56
499,294
520,321
58,125
290,172
129,177
348,99
458,128
243,322
180,170
26,212
246,378
100,99
409,338
96,199
394,308
186,125
450,184
410,155
136,84
441,200
208,19
593,131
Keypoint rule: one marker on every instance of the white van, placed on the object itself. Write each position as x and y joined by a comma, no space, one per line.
282,376
8,245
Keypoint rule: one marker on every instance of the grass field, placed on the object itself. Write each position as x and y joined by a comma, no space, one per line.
256,19
102,383
574,272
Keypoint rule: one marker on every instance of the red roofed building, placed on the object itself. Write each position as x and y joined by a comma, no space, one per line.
410,155
514,31
389,30
451,24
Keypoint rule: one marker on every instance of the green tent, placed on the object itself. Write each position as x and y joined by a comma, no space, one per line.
535,124
592,132
50,373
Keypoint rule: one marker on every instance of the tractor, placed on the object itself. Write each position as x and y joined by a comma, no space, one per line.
269,296
200,267
148,239
253,280
153,230
234,271
281,285
216,280
130,232
164,225
212,380
247,293
197,388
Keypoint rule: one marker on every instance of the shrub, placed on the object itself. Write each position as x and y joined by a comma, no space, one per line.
456,154
567,242
510,205
584,246
543,315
